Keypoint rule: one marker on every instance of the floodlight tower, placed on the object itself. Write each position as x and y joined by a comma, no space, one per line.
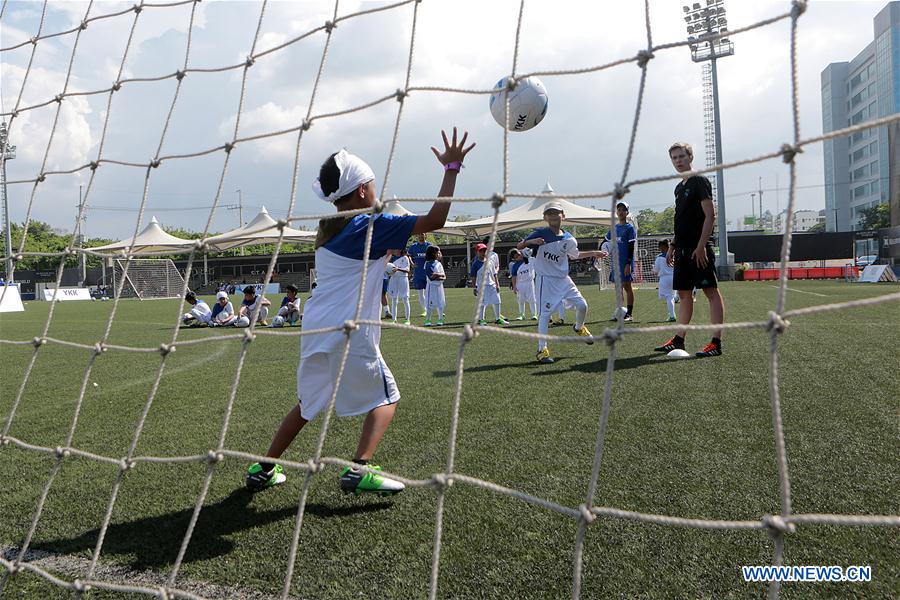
7,152
704,22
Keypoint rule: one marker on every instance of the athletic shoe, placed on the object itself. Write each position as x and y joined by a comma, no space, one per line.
264,323
709,350
671,320
628,319
357,481
441,322
583,332
427,323
482,322
556,322
534,318
668,346
423,313
387,316
544,357
501,321
257,479
406,322
520,318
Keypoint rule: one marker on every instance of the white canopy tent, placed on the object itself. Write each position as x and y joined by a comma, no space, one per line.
152,239
263,229
530,216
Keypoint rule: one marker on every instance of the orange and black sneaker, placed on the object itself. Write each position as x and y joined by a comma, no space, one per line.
711,349
672,344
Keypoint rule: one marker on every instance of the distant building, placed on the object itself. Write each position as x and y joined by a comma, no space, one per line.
804,220
859,172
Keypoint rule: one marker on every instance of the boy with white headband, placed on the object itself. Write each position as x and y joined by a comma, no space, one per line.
367,385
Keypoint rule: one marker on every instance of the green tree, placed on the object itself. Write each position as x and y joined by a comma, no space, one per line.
876,217
817,228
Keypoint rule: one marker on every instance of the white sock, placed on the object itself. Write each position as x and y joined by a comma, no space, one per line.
670,304
543,327
406,306
522,307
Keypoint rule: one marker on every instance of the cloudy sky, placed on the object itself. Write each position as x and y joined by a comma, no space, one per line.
579,147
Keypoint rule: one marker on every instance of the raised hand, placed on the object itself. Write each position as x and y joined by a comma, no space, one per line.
453,152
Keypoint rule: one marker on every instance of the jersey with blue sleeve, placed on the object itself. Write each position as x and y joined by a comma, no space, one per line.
625,237
476,266
514,268
339,265
416,253
551,259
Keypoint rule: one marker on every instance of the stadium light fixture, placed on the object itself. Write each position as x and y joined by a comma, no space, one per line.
706,23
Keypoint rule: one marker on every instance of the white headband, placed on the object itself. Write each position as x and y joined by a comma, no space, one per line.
354,173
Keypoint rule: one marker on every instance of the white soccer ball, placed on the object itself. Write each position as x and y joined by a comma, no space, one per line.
278,321
527,103
620,312
606,247
390,269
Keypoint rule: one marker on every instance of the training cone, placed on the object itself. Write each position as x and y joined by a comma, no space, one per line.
678,353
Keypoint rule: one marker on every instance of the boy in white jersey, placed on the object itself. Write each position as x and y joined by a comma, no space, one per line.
199,315
521,272
552,249
491,283
367,385
398,285
665,273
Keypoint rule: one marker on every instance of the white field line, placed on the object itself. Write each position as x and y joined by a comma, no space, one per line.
72,567
800,291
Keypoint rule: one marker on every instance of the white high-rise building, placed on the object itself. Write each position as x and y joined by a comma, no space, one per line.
859,173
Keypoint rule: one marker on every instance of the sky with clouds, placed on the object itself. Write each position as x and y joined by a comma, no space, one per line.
579,147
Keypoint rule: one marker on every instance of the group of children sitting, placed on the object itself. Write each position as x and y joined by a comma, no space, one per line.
253,308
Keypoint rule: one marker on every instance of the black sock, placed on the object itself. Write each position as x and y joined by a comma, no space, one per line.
678,341
630,307
360,461
717,342
267,466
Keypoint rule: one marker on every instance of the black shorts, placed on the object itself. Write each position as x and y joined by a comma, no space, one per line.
689,276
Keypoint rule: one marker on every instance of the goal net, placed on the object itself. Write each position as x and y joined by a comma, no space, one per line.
644,257
158,279
147,278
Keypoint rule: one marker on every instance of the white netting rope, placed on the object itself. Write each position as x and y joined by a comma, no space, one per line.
585,514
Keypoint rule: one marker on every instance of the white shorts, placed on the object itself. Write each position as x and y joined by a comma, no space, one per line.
491,295
367,383
553,292
665,287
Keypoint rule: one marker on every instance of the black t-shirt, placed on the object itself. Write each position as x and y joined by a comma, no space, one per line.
689,215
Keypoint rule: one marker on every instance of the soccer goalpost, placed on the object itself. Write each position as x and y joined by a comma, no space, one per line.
147,278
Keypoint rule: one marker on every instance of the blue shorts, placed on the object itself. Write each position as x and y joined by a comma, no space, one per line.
384,286
419,284
622,276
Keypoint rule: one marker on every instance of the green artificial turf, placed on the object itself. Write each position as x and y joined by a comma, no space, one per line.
689,438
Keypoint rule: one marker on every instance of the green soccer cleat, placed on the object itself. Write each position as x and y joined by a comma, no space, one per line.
482,322
501,321
257,479
671,320
427,323
406,322
357,481
423,313
439,323
520,318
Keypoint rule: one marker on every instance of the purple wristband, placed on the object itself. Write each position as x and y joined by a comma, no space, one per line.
454,166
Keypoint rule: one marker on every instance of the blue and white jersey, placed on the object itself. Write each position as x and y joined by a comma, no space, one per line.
416,253
514,268
228,309
551,259
339,265
625,235
524,273
493,262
